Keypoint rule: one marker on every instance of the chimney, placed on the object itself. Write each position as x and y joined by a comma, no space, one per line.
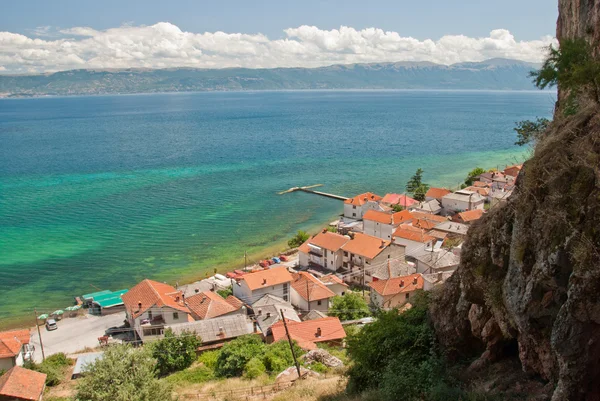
324,230
268,315
139,306
177,298
264,281
439,277
382,244
196,290
319,332
221,332
203,299
415,280
259,312
401,283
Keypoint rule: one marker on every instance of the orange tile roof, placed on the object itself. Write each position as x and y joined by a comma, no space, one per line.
480,184
331,329
310,288
471,215
398,285
333,279
208,304
398,199
413,235
328,240
234,301
22,384
428,216
365,245
267,278
388,218
437,193
149,294
11,342
480,190
361,199
304,247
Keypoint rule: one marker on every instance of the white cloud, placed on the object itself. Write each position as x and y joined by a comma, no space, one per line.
165,45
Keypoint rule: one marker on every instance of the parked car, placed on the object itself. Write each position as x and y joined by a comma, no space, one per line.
116,330
51,325
283,258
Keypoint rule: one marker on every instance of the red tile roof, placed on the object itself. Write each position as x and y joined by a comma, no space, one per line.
481,184
365,245
398,285
388,218
304,247
413,235
310,288
399,199
333,279
361,199
470,215
307,331
437,193
267,278
22,384
425,224
11,342
328,240
149,294
208,304
480,190
428,216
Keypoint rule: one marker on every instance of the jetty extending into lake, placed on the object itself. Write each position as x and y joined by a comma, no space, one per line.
311,191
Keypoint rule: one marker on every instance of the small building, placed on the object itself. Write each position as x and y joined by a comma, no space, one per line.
436,261
393,268
468,217
89,298
313,314
483,191
461,201
108,303
83,363
395,292
323,250
433,280
325,330
22,384
432,206
496,180
252,286
335,284
14,348
208,305
150,306
413,239
309,293
437,194
216,332
513,171
399,199
451,227
382,225
355,208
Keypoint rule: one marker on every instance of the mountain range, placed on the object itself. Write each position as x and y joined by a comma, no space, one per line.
493,74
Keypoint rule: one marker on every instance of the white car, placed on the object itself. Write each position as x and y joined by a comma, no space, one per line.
51,325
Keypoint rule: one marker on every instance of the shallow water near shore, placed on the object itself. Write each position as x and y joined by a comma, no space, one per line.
105,191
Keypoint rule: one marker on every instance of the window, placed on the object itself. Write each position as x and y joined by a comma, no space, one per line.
354,207
353,214
150,314
318,302
285,297
332,262
175,315
343,293
345,253
407,295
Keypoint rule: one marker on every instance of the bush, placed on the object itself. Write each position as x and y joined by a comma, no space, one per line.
234,355
209,359
278,356
226,292
198,374
318,367
476,172
300,238
59,360
174,353
254,368
350,306
54,367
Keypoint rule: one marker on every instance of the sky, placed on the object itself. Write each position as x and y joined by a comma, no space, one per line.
46,36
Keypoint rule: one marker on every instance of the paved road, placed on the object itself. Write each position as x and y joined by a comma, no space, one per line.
74,334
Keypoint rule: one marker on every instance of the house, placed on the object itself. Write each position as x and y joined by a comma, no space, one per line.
393,268
498,196
150,306
335,284
395,292
450,227
355,208
436,194
513,171
324,330
107,303
267,311
209,304
496,180
461,201
382,225
22,384
436,261
324,250
413,239
468,217
309,293
364,252
483,191
312,315
216,332
435,279
14,348
252,286
399,199
432,206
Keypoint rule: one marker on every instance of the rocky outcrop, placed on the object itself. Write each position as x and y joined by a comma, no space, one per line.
579,19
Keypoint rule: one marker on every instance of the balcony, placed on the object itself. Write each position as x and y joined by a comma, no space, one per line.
157,320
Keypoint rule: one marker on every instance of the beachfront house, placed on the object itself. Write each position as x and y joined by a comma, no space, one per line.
20,384
414,239
382,224
395,292
14,348
209,304
437,194
364,253
150,306
402,200
513,171
253,286
461,201
355,208
323,250
309,293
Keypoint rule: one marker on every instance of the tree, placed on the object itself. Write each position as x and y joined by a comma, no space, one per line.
298,239
397,208
416,187
175,352
530,131
350,306
236,354
476,172
225,292
123,374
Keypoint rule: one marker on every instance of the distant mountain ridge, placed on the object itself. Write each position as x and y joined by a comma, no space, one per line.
489,74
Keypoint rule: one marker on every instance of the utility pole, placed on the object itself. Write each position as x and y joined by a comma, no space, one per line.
308,295
39,334
245,260
363,280
287,333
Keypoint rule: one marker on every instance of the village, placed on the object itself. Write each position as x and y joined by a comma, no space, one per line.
382,249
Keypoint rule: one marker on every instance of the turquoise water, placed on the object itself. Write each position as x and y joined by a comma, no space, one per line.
104,191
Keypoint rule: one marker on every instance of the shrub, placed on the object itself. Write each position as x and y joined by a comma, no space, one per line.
54,367
416,186
350,306
209,359
234,355
278,356
476,172
174,353
198,374
298,239
254,368
59,360
318,367
530,131
226,292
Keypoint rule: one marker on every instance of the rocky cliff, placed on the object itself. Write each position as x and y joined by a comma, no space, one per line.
529,281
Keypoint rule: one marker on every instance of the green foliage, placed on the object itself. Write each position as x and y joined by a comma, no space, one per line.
209,359
174,353
2,371
298,239
123,373
254,368
331,229
234,355
226,292
476,172
416,187
197,374
397,208
278,356
530,131
350,306
54,367
318,367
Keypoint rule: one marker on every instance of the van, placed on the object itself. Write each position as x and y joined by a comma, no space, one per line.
51,325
